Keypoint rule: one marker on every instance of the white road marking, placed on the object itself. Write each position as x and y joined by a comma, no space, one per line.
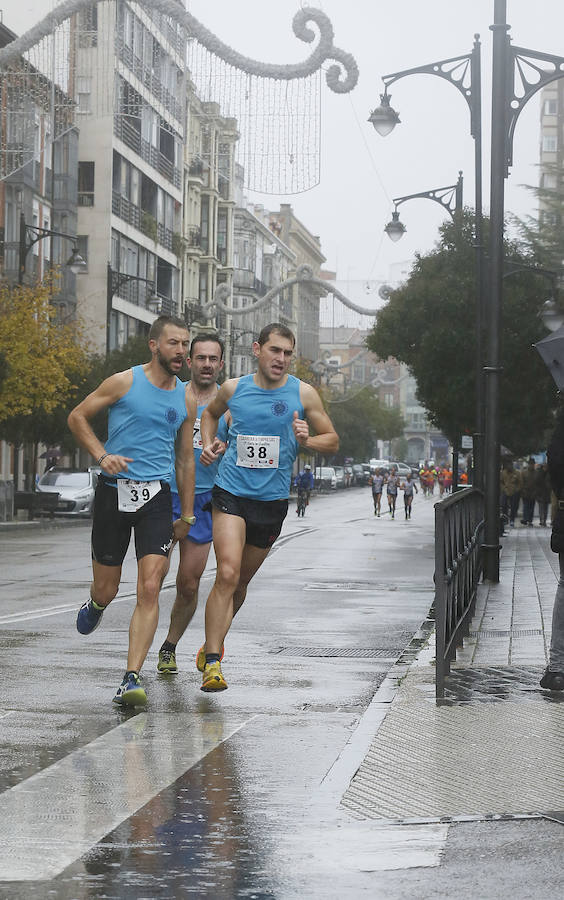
46,611
54,817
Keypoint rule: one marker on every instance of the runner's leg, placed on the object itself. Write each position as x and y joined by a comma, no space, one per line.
193,559
253,558
229,534
105,583
151,570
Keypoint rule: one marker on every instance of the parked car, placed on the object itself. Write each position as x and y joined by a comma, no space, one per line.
402,469
358,473
380,464
340,476
325,478
75,488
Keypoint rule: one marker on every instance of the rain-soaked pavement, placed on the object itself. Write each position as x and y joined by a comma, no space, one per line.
199,795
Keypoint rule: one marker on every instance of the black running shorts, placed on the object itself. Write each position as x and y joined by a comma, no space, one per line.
111,529
263,518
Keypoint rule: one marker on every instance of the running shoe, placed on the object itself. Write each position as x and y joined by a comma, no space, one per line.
201,658
130,692
213,679
88,618
167,662
552,681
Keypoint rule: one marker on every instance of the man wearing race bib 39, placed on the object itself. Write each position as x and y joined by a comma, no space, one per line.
271,412
148,406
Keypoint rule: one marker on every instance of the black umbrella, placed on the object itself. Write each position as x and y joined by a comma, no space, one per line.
52,453
551,348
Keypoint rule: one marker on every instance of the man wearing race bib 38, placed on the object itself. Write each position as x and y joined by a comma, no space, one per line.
148,406
271,412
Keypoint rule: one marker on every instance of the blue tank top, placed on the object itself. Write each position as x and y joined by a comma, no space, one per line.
143,425
249,467
205,475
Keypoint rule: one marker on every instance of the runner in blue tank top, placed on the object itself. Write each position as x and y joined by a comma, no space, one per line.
270,412
205,362
148,407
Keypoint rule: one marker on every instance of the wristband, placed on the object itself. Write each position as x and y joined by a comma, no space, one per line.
189,520
103,456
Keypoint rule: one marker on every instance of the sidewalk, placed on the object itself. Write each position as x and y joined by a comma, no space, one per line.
493,748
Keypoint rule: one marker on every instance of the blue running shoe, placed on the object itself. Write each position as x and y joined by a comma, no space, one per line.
89,617
130,692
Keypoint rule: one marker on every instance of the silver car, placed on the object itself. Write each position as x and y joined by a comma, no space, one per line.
75,488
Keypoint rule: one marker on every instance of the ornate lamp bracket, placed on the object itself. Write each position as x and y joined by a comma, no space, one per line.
525,77
458,70
449,197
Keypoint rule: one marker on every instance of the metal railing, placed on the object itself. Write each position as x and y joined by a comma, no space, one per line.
459,522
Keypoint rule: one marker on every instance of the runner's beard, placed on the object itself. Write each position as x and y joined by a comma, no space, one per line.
166,364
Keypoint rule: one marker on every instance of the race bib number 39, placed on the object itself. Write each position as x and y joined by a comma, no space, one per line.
132,495
258,451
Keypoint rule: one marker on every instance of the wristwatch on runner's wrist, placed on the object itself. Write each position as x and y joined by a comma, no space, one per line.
190,520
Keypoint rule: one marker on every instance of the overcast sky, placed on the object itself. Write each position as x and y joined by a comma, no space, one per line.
361,171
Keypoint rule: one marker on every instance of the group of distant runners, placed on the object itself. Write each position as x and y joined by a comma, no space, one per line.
393,483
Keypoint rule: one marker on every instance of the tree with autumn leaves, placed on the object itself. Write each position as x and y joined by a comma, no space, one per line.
42,366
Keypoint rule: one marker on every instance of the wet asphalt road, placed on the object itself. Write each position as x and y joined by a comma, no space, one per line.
200,795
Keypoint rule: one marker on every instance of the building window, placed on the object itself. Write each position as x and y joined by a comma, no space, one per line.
550,143
83,93
551,107
82,245
86,183
549,182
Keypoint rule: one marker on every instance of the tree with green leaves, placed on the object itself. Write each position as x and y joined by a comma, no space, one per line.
429,324
360,421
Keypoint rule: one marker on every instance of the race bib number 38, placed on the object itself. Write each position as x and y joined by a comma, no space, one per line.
258,451
132,495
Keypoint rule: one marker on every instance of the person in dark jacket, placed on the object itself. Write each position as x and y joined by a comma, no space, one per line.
528,491
542,493
553,678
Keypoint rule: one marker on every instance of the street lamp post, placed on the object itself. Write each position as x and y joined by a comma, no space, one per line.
114,281
511,90
31,234
464,73
449,197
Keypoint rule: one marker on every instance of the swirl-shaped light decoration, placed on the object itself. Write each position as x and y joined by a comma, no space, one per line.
341,77
304,275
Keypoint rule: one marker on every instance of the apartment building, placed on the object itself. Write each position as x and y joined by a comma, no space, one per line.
40,191
261,261
130,93
208,212
551,151
305,299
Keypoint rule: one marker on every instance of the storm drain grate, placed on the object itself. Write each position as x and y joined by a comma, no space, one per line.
525,632
362,652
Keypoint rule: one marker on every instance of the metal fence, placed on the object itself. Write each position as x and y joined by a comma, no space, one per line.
459,521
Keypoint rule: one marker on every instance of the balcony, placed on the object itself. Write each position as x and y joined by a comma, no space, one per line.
127,133
126,210
243,278
194,237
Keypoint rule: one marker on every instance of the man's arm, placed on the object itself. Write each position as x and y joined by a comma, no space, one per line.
326,439
186,469
212,447
104,396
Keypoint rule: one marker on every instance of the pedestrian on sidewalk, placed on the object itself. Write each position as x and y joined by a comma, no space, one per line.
205,362
528,491
148,406
542,494
271,413
510,484
553,677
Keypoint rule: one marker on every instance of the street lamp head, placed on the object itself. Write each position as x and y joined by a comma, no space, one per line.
384,118
552,317
76,263
395,229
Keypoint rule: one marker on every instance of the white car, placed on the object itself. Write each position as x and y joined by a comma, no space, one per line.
75,488
325,478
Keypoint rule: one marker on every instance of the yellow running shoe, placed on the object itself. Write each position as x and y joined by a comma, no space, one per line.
201,657
213,679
